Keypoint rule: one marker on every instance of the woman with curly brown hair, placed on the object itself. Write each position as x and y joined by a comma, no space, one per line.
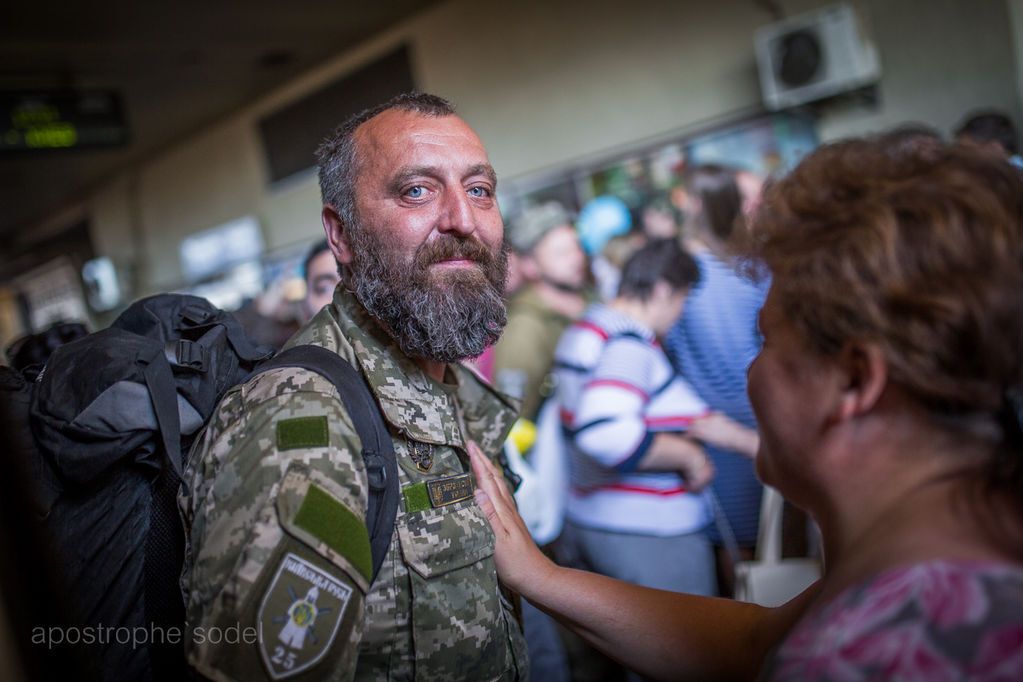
888,398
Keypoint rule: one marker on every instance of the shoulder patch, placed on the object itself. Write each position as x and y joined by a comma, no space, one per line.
332,523
302,432
299,616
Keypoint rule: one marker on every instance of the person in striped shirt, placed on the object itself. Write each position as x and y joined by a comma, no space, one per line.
635,510
714,341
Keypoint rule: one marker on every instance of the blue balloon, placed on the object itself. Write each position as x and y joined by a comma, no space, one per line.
601,219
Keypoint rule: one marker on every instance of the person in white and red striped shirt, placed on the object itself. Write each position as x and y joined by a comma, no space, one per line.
635,510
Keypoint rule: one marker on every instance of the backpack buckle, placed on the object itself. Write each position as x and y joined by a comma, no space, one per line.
194,315
376,473
184,353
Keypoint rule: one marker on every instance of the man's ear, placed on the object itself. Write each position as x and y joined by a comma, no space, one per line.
337,234
865,375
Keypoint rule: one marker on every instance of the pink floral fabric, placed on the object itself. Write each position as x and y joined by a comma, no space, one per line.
930,622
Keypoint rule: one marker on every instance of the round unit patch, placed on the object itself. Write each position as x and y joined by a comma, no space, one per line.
299,616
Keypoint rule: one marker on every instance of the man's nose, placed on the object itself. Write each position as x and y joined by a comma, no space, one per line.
457,214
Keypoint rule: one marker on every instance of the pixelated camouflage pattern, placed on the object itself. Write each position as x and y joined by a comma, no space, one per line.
435,611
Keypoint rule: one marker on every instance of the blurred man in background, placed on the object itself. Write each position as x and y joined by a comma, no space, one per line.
320,271
553,267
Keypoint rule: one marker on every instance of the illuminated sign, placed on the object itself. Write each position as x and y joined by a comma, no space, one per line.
32,121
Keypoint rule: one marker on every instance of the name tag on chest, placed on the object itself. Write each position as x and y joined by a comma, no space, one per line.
448,490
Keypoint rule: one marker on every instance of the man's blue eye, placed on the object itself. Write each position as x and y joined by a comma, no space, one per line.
479,191
415,192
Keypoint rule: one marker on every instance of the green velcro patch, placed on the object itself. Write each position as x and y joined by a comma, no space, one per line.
302,432
328,520
417,498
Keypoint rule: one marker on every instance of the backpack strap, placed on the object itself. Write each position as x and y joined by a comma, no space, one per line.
156,371
377,446
164,541
241,343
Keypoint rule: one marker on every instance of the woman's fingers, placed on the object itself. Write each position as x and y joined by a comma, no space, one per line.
488,489
498,497
488,476
483,500
481,468
516,555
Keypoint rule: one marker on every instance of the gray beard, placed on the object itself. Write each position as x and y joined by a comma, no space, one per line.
444,322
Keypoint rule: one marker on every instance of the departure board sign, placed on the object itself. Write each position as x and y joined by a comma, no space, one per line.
65,119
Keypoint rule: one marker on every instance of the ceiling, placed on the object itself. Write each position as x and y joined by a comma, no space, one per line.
178,66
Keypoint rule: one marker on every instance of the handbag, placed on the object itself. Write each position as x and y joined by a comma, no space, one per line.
542,495
769,580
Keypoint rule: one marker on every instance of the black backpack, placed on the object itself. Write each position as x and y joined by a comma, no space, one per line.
114,416
28,354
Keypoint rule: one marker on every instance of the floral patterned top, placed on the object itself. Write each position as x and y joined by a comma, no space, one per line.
934,621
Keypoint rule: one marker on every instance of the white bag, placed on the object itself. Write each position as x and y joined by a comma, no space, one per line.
771,580
543,492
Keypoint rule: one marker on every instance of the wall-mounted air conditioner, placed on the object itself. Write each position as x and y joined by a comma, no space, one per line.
814,55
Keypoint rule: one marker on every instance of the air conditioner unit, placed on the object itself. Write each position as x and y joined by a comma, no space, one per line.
814,55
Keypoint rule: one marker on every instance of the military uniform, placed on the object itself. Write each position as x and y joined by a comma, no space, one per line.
274,502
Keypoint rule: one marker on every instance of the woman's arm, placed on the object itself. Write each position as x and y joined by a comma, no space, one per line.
720,430
664,635
672,452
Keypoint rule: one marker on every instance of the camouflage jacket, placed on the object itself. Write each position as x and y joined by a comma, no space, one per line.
277,570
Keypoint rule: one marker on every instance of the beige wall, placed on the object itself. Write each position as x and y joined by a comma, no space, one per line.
560,80
940,59
549,83
1016,25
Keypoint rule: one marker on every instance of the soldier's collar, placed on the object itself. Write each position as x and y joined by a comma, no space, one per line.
410,400
488,414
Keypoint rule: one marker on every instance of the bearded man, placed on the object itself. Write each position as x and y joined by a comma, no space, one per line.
275,495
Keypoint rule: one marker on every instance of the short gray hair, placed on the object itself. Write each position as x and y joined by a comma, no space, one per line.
336,154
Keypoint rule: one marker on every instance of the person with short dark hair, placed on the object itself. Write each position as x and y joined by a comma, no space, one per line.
635,510
889,395
989,128
992,131
321,274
